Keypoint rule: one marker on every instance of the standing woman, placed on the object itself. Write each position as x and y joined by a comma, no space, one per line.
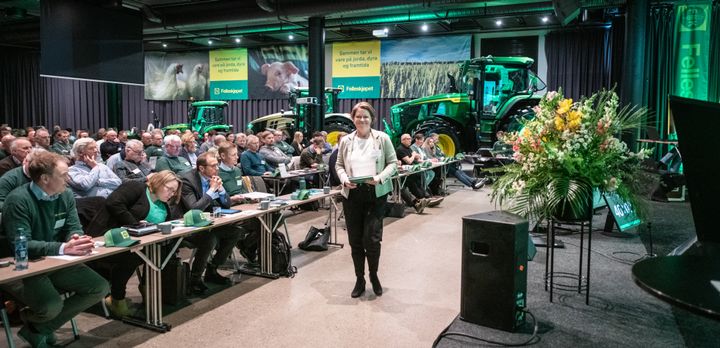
365,152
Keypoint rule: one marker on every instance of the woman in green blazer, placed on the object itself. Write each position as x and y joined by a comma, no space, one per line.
366,162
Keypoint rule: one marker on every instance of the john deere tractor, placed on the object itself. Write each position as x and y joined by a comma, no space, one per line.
490,94
296,118
204,116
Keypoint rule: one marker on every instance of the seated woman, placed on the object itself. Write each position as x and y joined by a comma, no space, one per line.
155,201
434,152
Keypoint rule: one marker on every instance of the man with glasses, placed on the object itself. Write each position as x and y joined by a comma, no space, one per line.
61,145
133,167
45,210
203,189
282,145
172,159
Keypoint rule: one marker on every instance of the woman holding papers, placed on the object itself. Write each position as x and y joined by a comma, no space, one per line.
366,161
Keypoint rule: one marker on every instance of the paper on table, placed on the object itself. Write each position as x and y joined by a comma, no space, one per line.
257,195
70,257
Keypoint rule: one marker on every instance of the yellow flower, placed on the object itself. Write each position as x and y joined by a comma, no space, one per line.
559,123
526,133
564,106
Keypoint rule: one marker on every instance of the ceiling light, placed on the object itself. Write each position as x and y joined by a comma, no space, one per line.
385,30
237,40
380,33
164,45
424,27
291,37
498,22
210,42
545,19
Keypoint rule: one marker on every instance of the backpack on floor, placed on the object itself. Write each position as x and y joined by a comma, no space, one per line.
281,258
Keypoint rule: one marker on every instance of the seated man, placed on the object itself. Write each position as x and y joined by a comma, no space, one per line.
133,167
282,145
87,177
61,145
111,145
203,189
271,153
172,159
253,163
45,210
19,148
15,178
312,156
155,147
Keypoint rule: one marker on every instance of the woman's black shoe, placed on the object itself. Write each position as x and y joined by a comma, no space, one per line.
377,288
359,288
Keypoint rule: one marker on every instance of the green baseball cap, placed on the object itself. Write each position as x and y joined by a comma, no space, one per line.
196,218
119,237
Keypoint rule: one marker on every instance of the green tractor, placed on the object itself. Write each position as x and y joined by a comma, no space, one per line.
493,94
204,116
296,119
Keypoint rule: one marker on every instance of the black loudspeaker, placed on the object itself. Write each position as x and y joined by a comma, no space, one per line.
566,10
494,270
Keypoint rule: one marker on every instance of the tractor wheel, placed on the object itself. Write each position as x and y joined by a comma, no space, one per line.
333,128
447,138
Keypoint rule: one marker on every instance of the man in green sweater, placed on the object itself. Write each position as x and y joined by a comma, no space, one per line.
15,178
45,210
172,159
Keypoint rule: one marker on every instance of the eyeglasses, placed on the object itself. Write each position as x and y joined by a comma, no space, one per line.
170,190
211,165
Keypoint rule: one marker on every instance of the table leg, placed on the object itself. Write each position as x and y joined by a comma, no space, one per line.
266,230
332,222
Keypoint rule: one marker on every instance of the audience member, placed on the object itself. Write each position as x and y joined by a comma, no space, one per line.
155,148
19,148
42,139
87,177
172,159
282,145
133,165
146,139
16,177
202,189
327,148
297,143
155,201
5,142
253,163
240,143
111,146
62,146
45,209
271,153
189,148
312,156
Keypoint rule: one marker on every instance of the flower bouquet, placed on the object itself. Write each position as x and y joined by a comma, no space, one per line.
566,151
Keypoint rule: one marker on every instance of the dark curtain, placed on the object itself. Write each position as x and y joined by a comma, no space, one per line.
30,100
714,64
579,61
20,88
617,42
659,65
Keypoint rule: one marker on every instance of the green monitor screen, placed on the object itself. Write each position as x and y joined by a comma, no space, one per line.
622,211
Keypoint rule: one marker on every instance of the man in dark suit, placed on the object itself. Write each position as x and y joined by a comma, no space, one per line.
202,189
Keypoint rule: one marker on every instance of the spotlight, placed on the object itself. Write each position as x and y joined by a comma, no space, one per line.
545,19
291,37
424,27
210,42
498,22
385,30
237,40
164,45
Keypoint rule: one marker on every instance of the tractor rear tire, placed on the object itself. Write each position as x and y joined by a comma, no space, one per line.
447,138
333,128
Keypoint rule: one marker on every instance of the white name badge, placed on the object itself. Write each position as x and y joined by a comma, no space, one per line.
262,162
136,171
59,223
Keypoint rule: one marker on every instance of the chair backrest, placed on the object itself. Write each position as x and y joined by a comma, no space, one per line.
255,184
87,208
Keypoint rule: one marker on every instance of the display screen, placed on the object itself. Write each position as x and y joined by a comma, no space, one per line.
83,40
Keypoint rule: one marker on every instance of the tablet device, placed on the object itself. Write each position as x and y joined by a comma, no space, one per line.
360,179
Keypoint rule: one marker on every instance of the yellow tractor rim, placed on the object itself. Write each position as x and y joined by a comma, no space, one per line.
332,137
447,145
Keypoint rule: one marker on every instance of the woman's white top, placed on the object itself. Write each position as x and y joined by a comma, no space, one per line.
363,157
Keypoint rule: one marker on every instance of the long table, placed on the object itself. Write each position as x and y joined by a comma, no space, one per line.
400,178
150,250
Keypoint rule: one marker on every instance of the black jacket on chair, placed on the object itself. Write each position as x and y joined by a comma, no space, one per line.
193,196
127,205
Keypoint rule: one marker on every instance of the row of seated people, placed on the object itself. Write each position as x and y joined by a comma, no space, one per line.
46,208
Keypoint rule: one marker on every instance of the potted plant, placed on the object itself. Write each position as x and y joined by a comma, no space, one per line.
566,151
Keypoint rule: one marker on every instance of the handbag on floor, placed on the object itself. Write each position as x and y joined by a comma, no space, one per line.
316,239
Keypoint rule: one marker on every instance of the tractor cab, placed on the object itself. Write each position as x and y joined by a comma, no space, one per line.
204,116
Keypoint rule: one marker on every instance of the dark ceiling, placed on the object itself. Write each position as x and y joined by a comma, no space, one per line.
193,24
